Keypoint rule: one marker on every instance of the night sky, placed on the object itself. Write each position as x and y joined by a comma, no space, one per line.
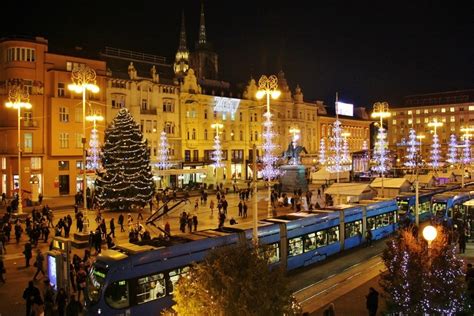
367,51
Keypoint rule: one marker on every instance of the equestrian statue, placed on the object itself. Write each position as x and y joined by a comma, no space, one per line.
292,153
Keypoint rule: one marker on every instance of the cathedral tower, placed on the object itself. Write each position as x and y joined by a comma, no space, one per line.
181,63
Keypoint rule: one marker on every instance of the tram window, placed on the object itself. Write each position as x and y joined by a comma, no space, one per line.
333,234
353,228
310,242
150,288
450,212
321,238
371,223
272,252
175,275
116,295
295,246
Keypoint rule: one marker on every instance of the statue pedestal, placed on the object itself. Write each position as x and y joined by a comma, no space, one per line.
293,178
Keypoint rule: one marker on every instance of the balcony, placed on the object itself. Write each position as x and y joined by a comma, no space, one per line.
148,111
29,123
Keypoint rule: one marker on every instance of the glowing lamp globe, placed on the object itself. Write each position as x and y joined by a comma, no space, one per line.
430,233
260,94
276,94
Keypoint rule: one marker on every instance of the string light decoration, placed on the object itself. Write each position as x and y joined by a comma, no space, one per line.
452,150
127,179
322,152
381,153
412,149
466,151
217,153
435,152
93,152
163,152
268,86
346,156
336,159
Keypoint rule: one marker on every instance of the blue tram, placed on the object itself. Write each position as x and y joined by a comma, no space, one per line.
447,205
139,280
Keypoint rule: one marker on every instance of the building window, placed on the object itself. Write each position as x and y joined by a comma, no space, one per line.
61,89
418,111
118,101
410,112
451,109
224,116
443,110
148,127
205,114
435,111
255,117
78,140
194,134
427,120
240,116
70,66
21,54
425,111
168,105
418,120
232,135
205,134
28,142
394,122
410,121
169,128
256,136
63,165
471,108
452,119
144,105
63,114
196,155
187,155
63,140
35,163
241,135
4,163
453,128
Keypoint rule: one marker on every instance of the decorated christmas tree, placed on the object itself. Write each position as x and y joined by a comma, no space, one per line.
382,161
322,152
127,179
422,280
93,153
452,150
412,149
163,153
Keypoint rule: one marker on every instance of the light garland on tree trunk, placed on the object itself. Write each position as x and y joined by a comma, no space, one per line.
93,157
452,150
269,171
163,152
412,149
380,153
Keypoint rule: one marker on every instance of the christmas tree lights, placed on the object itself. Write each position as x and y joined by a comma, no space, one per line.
127,179
435,153
381,153
412,149
269,160
466,152
163,153
336,161
322,152
93,153
452,150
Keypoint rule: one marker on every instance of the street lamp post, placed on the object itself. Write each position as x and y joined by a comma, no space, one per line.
18,97
381,111
218,150
83,79
268,86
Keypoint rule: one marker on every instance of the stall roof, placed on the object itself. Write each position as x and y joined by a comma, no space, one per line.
389,182
323,174
422,178
348,189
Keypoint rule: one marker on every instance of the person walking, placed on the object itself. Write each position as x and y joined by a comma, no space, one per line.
61,300
462,242
245,210
2,270
240,206
372,301
211,206
112,227
368,238
31,295
28,252
74,307
48,298
120,221
39,264
195,222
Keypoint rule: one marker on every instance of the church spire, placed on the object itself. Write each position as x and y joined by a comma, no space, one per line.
202,27
182,35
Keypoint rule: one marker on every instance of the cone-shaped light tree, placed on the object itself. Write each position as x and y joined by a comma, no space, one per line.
163,152
93,153
322,152
127,179
412,149
452,150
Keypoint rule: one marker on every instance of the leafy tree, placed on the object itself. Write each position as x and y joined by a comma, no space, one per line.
127,179
234,280
419,280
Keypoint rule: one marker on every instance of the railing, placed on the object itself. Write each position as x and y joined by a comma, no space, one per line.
110,51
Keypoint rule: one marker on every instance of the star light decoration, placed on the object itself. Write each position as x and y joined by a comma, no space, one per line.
412,149
163,152
268,86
